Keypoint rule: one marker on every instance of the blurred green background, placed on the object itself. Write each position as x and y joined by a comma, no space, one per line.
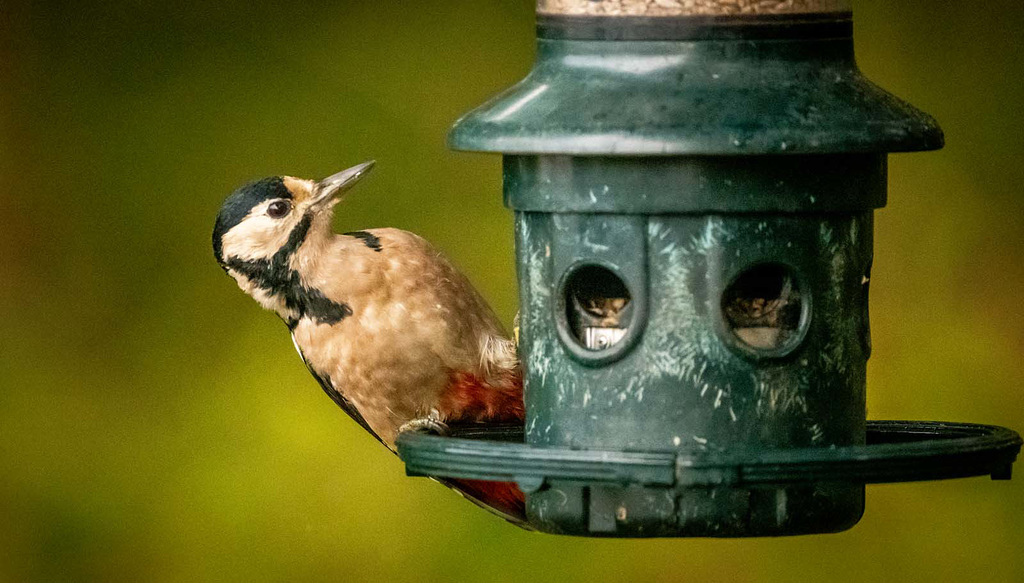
156,425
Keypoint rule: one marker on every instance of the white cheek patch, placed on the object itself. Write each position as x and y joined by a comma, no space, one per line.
257,236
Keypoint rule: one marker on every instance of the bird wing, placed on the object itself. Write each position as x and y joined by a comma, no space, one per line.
339,399
503,499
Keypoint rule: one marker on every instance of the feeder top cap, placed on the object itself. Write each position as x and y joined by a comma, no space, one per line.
654,8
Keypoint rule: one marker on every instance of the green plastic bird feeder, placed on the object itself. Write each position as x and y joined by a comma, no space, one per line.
693,186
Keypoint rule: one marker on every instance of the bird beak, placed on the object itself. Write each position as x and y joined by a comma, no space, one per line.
329,188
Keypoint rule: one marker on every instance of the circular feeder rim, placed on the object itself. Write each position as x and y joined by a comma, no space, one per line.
896,451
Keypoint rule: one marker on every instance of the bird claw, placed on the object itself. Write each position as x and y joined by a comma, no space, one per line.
431,424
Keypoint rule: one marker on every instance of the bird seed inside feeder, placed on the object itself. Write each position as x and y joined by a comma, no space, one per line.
690,7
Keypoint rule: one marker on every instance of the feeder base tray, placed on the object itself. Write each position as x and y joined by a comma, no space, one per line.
711,493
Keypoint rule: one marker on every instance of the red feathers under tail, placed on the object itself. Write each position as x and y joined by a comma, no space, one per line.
471,400
503,497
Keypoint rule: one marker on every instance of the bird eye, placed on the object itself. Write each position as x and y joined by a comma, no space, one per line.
278,209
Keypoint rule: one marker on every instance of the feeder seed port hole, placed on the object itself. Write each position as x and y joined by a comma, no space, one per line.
765,311
598,306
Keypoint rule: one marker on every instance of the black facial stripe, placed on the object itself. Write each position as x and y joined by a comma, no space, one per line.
369,239
305,301
275,277
240,204
295,239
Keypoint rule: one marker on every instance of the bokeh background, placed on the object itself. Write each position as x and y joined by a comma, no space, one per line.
155,425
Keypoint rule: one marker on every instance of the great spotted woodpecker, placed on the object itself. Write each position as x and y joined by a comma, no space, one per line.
391,330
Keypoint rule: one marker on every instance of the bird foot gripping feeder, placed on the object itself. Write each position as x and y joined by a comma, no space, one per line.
693,186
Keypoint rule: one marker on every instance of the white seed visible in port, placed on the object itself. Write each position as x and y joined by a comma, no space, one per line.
690,7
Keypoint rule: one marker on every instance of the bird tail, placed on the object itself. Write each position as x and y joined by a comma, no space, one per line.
473,402
503,499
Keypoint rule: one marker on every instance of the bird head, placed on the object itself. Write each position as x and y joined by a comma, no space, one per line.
272,217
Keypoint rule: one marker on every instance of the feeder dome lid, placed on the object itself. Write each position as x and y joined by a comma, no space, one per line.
695,86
